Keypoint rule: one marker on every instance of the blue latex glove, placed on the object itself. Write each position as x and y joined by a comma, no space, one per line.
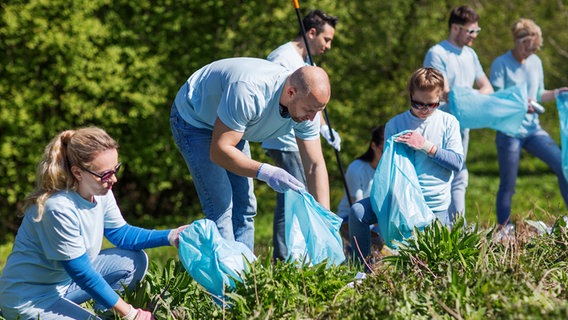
278,179
336,143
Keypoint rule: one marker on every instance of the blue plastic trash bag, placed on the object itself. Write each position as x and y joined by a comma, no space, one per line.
396,196
312,231
503,110
562,106
211,260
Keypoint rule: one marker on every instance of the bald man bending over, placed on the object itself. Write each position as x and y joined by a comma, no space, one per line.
229,102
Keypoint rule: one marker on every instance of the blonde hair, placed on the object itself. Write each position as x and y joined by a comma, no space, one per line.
69,148
525,29
425,79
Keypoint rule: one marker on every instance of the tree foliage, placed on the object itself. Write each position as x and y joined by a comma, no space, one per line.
118,65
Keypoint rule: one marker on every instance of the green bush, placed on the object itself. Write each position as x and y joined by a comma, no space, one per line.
118,65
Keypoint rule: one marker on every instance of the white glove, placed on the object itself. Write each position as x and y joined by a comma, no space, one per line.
173,236
278,179
336,143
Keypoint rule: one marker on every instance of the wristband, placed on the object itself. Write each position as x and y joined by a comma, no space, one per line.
428,147
131,314
259,169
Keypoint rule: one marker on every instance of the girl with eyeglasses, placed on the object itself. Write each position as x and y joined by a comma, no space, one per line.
436,142
56,261
521,65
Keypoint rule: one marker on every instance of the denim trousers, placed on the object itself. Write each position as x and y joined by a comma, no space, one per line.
226,198
539,144
362,216
292,163
460,181
117,266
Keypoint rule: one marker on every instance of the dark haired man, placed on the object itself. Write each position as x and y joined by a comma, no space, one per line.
320,29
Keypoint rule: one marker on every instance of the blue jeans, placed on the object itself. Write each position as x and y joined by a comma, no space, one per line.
227,199
117,267
362,216
292,163
539,144
460,182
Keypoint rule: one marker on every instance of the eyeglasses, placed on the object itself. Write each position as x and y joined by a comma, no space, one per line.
471,31
424,106
105,176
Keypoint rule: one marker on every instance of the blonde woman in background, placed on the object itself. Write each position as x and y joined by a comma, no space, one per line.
521,65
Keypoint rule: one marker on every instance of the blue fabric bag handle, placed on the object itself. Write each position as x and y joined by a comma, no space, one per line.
503,110
396,196
212,261
562,106
312,231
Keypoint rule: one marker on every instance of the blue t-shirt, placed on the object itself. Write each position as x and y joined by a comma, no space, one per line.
506,71
459,66
288,57
443,130
70,227
245,94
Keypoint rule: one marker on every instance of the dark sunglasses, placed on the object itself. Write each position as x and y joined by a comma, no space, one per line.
105,176
424,106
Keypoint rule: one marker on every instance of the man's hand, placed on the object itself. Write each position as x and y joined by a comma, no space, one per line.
278,179
336,143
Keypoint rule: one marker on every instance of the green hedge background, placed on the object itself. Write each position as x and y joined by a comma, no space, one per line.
118,65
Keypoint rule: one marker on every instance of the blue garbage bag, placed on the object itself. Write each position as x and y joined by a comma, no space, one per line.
562,106
312,231
396,196
212,261
503,110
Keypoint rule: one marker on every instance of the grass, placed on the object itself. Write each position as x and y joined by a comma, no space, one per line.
441,273
459,273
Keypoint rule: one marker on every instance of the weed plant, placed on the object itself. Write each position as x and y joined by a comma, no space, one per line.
440,273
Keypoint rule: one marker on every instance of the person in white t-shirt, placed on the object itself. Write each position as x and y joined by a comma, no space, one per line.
359,174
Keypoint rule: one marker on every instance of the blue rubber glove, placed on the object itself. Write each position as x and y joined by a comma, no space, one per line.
278,179
336,143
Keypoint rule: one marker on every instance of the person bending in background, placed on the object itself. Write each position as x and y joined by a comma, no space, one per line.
229,102
521,65
320,30
56,262
460,66
359,174
438,153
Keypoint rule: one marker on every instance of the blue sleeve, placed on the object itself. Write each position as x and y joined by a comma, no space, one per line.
135,238
82,272
448,159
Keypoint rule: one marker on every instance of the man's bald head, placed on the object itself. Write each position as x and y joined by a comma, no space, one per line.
311,80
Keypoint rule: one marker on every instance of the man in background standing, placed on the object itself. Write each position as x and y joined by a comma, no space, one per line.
460,66
320,29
